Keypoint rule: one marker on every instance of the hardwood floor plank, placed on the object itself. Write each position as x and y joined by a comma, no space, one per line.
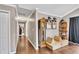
24,47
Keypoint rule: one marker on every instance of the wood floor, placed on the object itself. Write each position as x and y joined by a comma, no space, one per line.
24,47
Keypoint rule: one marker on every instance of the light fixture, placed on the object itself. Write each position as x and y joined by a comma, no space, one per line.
21,18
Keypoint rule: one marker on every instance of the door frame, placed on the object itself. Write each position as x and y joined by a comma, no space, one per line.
9,41
18,29
24,26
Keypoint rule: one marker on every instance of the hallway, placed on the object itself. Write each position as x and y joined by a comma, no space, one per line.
24,47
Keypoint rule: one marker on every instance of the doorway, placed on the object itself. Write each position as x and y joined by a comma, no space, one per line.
22,29
21,42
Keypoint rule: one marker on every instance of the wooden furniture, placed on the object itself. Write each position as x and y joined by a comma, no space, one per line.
59,40
63,29
54,43
42,29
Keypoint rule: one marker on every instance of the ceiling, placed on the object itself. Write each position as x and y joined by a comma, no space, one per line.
53,9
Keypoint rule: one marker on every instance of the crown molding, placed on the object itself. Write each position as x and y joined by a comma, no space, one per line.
11,5
49,14
69,12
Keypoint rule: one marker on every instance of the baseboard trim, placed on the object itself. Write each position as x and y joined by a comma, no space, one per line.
32,44
73,43
14,52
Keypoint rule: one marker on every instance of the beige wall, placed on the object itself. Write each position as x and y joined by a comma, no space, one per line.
12,25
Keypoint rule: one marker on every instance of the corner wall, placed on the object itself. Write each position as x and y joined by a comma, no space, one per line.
72,14
32,30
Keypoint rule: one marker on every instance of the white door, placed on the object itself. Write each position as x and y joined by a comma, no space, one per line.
4,32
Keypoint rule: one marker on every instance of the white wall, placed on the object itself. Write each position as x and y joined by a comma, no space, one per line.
4,34
13,25
31,29
72,14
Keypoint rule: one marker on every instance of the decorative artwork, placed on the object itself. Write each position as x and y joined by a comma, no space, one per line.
49,23
42,28
54,23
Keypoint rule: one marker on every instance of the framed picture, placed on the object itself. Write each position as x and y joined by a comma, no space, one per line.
49,24
54,23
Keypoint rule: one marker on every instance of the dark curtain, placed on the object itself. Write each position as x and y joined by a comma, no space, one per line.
74,29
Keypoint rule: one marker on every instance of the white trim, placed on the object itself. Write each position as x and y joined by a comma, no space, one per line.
27,29
9,33
9,29
11,5
31,13
37,29
73,43
17,32
54,15
18,29
69,12
25,8
32,44
14,52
